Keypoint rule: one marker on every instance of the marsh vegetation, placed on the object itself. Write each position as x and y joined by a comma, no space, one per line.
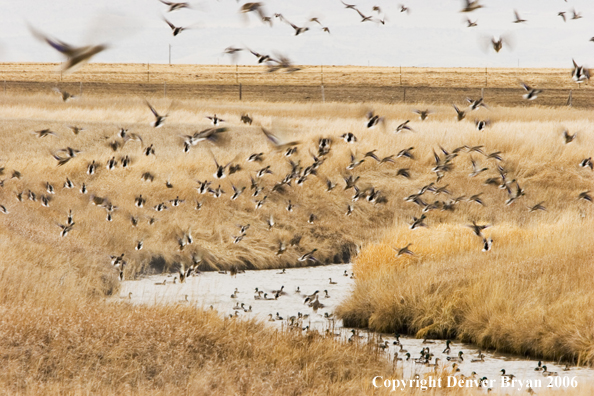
528,294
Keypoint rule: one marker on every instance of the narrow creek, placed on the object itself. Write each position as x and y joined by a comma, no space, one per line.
216,290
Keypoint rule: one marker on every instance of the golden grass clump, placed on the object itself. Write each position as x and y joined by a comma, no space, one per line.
531,295
117,348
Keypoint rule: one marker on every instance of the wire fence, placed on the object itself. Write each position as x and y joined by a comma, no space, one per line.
312,83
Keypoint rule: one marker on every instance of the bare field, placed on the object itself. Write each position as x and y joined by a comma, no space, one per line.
341,83
308,75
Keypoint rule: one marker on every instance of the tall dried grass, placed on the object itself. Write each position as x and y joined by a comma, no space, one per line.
59,335
531,293
540,162
117,348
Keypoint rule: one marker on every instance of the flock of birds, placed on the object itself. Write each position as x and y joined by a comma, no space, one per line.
300,172
398,348
78,55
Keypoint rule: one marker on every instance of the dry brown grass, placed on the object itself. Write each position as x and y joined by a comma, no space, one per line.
345,84
531,294
308,75
542,173
115,348
61,337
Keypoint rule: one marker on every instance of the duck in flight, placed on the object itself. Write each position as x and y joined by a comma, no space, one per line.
308,256
298,30
65,95
404,250
471,5
518,19
175,30
531,93
175,6
159,119
75,55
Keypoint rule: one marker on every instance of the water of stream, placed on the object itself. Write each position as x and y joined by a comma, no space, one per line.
216,290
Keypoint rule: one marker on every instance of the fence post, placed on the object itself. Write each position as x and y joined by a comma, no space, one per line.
165,89
240,91
404,95
323,95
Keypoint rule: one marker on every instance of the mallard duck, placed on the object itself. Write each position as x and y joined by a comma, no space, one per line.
548,373
579,73
349,137
311,297
139,201
66,229
487,243
159,119
456,359
403,127
406,153
460,114
308,256
480,359
531,93
447,348
404,250
587,163
418,222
